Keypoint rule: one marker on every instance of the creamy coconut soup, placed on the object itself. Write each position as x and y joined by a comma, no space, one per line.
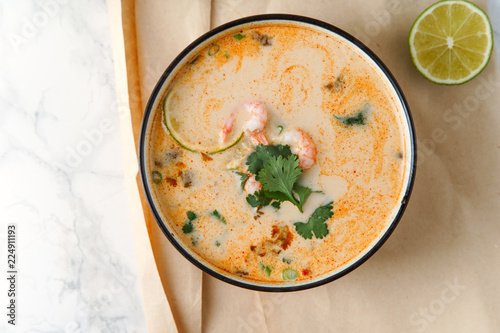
278,153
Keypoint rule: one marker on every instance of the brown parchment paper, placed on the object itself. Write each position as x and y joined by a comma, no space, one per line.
439,270
155,304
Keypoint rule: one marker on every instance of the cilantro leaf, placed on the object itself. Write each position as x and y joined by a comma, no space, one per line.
278,171
316,223
357,119
276,204
259,198
243,178
191,215
304,229
258,158
303,192
187,228
219,216
279,175
277,196
283,150
253,200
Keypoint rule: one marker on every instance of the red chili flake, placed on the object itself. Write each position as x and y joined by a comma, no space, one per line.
171,181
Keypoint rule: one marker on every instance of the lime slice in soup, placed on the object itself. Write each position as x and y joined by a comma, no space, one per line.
451,42
187,131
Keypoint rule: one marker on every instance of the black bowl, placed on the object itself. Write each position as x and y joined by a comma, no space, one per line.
157,95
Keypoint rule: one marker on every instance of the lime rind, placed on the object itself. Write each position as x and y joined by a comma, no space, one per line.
487,53
168,125
231,144
176,138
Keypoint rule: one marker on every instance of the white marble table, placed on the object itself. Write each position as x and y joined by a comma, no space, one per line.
61,173
62,179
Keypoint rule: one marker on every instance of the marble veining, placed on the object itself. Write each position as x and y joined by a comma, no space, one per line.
61,170
61,173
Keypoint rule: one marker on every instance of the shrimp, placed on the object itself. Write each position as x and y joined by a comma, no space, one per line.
252,185
227,128
253,127
258,119
302,146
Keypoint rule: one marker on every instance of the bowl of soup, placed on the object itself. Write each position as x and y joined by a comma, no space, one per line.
277,153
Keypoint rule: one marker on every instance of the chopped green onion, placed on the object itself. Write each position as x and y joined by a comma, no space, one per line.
226,55
266,269
289,274
218,216
213,49
217,243
238,36
193,241
287,260
157,177
195,59
280,129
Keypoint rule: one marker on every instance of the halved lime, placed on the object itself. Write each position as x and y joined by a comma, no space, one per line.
182,129
451,42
